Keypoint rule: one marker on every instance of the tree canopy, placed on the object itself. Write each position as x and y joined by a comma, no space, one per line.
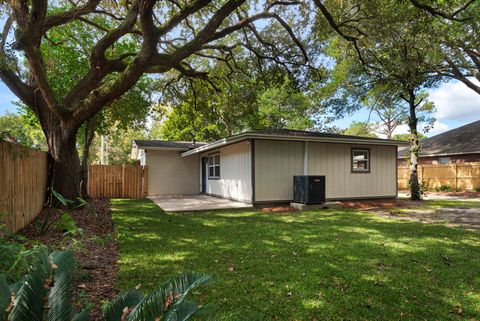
224,66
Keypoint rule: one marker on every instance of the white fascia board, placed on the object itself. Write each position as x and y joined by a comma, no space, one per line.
207,147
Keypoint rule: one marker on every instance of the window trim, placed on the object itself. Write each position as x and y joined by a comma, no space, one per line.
211,156
369,160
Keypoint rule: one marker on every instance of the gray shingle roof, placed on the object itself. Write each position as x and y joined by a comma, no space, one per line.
145,144
461,140
305,133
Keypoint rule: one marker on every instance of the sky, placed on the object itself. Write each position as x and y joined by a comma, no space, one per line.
456,105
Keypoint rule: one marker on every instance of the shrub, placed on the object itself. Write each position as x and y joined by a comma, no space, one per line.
423,187
15,258
46,292
444,188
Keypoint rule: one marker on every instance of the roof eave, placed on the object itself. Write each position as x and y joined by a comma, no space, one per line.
244,136
173,149
442,154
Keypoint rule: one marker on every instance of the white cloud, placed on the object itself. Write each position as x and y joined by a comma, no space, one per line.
456,102
437,128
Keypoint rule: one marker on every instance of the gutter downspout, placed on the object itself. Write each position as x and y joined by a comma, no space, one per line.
305,158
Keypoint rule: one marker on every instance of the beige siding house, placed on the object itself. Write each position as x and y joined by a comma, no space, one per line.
258,167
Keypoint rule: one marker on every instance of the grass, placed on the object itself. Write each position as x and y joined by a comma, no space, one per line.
320,265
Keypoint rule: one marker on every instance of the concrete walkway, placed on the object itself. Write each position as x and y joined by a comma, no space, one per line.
185,203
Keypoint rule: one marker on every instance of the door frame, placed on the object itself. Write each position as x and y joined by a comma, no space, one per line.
203,187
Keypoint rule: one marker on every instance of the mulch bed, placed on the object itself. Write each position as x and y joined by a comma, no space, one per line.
96,252
380,204
275,208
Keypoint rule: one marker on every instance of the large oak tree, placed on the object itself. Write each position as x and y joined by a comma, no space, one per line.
172,36
384,44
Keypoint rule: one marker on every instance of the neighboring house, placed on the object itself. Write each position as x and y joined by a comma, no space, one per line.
258,167
459,145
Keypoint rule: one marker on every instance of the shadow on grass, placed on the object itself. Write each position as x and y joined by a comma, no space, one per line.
334,264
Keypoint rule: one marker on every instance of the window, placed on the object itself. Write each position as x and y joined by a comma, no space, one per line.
214,166
444,160
360,160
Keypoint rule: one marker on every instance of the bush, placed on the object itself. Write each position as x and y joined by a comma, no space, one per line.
444,188
15,258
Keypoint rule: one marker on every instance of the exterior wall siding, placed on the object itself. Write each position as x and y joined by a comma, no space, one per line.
276,162
169,173
235,172
334,161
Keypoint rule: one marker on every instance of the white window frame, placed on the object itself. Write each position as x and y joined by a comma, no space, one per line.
214,165
367,160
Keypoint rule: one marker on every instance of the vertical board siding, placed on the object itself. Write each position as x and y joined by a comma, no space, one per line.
170,173
334,161
235,173
117,181
276,162
464,176
23,182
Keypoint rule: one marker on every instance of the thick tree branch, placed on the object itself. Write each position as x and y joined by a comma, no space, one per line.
182,15
436,12
16,85
100,67
70,15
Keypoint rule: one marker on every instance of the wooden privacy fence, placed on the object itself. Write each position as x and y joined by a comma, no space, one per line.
465,176
23,182
117,181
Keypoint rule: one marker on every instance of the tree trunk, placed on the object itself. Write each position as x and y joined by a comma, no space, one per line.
64,162
89,135
415,193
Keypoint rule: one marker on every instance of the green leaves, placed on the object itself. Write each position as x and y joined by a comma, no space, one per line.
64,201
60,298
167,303
122,305
68,225
45,293
5,297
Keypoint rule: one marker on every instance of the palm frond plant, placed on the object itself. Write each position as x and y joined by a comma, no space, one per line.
167,303
45,294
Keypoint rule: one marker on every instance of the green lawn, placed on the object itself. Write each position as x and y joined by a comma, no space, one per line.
322,265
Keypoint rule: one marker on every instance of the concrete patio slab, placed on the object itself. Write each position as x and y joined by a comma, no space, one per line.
185,203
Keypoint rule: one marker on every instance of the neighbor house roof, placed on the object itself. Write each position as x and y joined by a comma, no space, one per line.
461,140
296,135
164,144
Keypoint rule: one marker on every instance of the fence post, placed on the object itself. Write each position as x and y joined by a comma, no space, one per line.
456,177
123,180
145,181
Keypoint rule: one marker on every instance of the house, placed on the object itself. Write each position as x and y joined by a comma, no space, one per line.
459,145
259,166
